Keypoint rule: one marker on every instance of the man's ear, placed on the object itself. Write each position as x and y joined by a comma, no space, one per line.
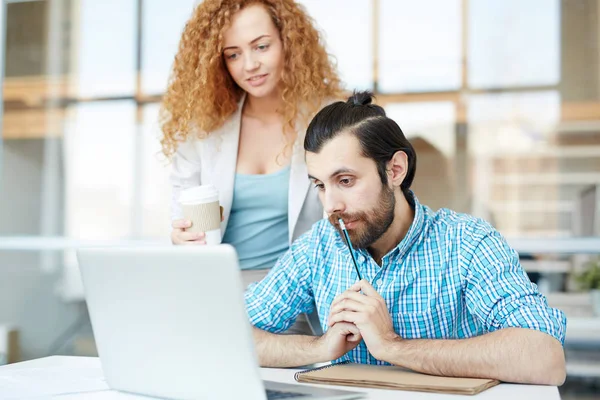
397,168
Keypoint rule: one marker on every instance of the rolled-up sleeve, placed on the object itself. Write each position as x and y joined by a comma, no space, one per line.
500,294
274,303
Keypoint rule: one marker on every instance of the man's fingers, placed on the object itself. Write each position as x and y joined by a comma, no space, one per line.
342,316
348,294
351,332
363,286
347,305
367,289
346,328
352,296
354,337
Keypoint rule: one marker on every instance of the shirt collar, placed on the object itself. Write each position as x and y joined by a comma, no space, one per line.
414,232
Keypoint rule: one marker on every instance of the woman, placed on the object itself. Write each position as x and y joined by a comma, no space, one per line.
247,78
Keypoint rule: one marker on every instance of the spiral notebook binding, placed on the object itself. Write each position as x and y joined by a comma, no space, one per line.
297,374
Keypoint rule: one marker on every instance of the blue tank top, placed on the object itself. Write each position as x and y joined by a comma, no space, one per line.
258,223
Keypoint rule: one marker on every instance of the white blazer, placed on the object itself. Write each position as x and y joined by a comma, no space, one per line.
213,161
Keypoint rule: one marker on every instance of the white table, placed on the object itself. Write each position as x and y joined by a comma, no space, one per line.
82,378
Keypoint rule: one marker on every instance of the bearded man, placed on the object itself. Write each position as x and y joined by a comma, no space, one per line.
441,293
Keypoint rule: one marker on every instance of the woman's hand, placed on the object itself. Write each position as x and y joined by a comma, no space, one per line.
179,235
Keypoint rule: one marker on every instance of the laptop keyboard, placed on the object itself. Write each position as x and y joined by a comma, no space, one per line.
276,395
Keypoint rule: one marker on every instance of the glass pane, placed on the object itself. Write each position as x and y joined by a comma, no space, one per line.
430,128
518,170
99,170
26,38
31,130
162,24
155,187
347,27
514,43
419,45
104,56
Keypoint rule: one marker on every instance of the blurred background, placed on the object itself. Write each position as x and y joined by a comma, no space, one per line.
500,98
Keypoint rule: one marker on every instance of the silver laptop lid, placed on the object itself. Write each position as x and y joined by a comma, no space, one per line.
168,318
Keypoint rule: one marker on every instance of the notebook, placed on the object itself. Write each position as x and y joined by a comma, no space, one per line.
390,377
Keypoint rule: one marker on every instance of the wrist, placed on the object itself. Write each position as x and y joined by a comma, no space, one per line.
320,348
388,349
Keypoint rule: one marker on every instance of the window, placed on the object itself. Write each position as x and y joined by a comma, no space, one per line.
419,45
509,48
159,45
99,170
104,56
155,187
347,26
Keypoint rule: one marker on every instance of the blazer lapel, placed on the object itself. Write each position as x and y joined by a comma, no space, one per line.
299,185
225,146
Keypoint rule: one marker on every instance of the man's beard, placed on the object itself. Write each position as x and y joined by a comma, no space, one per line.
370,225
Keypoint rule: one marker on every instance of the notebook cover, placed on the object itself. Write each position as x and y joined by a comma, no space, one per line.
390,377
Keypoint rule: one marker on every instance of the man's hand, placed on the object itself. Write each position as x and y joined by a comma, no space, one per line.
339,339
369,313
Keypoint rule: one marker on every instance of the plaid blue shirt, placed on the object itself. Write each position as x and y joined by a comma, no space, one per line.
453,276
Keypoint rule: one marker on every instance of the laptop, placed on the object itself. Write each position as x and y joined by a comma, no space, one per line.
170,322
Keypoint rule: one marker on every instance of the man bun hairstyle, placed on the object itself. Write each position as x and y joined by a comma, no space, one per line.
360,98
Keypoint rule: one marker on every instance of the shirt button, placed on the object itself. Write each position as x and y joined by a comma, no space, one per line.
361,258
379,282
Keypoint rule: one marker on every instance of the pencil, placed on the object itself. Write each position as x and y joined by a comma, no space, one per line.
347,239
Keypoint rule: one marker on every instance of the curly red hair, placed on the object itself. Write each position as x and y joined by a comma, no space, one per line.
201,95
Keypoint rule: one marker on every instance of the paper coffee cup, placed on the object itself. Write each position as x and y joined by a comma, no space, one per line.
200,205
